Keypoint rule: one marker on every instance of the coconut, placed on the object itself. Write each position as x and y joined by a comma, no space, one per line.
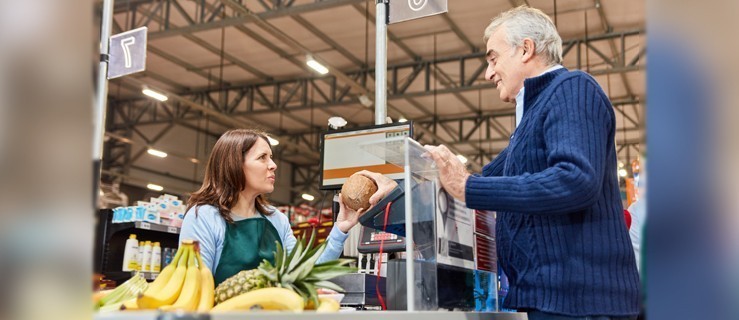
357,191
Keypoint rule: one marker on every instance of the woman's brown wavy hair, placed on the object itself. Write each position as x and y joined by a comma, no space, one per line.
224,173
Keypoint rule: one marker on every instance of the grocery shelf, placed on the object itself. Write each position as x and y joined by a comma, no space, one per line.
145,226
311,315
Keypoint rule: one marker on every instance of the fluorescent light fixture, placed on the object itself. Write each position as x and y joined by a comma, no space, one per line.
462,158
307,197
315,65
272,141
156,95
155,187
402,119
622,172
156,153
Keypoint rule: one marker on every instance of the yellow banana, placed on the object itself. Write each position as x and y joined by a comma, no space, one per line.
169,294
163,278
263,299
207,290
130,305
328,305
190,294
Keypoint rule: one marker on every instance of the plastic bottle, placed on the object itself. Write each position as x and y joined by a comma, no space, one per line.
130,254
167,257
147,257
156,257
140,256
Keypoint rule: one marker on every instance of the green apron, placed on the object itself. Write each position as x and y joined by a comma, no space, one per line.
246,244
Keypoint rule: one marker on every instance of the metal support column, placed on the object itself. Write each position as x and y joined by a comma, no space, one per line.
381,62
102,96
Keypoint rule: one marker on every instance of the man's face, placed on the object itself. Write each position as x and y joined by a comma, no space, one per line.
505,66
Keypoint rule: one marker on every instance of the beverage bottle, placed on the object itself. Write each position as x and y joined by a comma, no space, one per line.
130,254
146,267
156,258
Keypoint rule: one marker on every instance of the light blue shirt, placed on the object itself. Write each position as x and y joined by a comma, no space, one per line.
209,228
519,96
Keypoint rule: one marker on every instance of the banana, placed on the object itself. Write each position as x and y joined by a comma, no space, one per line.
190,294
207,290
161,281
328,305
130,304
170,292
263,299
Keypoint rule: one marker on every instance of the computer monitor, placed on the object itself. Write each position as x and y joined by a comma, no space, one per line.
341,155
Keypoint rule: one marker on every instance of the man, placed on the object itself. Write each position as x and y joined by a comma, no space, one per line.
560,230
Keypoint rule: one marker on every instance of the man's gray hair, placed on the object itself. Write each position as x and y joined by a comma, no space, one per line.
524,22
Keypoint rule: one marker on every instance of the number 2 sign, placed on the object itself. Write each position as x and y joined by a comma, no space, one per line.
127,53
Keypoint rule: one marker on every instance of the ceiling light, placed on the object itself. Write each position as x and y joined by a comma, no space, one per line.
156,95
402,119
307,197
155,187
620,164
272,141
622,172
157,153
336,122
462,158
315,65
193,160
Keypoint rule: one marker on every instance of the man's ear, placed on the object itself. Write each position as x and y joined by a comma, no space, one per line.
529,48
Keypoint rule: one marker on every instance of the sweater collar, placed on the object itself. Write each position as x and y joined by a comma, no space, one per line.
536,85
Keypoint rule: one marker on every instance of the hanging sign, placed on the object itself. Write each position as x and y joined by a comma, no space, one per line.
404,10
127,53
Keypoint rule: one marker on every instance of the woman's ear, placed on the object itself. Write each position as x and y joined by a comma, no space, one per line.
529,48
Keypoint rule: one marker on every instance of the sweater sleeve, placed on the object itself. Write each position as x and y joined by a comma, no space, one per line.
576,133
495,167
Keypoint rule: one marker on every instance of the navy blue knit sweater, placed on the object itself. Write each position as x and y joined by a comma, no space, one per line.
560,230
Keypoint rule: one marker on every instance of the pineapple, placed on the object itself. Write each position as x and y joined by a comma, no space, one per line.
296,271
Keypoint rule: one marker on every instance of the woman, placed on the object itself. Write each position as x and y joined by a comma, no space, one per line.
229,214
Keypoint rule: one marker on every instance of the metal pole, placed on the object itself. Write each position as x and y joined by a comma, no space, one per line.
102,96
381,62
409,254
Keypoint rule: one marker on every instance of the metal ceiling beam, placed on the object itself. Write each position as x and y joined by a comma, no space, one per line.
213,49
459,33
245,19
230,120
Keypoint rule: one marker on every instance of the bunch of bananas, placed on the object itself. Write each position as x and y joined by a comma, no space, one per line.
185,284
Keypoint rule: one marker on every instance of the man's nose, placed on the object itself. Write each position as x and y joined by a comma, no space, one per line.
489,73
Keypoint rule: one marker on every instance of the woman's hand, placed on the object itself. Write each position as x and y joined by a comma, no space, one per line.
384,186
347,218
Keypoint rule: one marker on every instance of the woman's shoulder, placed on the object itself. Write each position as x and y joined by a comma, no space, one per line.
204,212
275,215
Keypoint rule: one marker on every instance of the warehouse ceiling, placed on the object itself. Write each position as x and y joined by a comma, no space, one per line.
228,63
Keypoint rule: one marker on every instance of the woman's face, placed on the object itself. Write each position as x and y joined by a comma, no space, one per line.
259,168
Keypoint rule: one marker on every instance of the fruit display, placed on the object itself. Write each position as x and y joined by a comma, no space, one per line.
109,300
295,271
185,284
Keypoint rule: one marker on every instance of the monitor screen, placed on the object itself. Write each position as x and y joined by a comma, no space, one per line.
341,155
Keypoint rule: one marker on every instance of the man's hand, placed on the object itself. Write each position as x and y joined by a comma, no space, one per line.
347,218
384,186
452,172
